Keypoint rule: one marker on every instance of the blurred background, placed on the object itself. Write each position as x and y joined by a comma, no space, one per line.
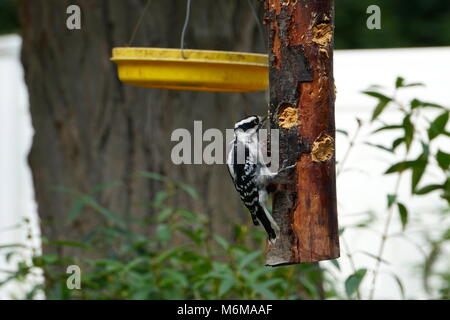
87,177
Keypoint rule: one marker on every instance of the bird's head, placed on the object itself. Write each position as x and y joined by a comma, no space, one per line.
249,124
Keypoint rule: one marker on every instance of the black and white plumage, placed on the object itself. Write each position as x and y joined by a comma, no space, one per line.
250,175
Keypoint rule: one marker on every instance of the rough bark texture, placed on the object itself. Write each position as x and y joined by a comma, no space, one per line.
302,98
91,129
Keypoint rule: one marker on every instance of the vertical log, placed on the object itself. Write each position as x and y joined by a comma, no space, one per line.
302,95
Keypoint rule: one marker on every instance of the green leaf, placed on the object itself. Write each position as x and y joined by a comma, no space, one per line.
415,103
443,159
49,258
379,109
399,82
247,259
151,175
437,127
428,189
353,282
91,202
414,84
264,291
389,127
223,243
336,264
75,209
160,197
189,215
383,101
409,131
345,133
379,146
196,235
135,263
446,235
12,245
311,287
164,214
226,284
163,233
400,166
261,271
105,185
273,282
391,199
377,95
376,86
397,142
174,276
403,212
417,173
188,189
425,151
166,255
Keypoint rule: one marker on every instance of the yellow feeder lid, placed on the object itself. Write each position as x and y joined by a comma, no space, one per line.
200,69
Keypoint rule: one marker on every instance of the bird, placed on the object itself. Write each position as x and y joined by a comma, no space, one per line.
250,175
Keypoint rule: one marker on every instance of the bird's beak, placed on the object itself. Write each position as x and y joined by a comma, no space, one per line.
262,121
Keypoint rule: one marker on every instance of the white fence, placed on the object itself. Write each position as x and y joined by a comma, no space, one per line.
16,190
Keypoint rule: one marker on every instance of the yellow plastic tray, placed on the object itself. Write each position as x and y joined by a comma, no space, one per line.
201,70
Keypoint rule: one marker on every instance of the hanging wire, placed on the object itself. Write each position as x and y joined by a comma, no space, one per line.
186,23
183,32
138,24
258,23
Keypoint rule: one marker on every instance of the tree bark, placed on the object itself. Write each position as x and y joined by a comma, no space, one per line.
302,98
90,129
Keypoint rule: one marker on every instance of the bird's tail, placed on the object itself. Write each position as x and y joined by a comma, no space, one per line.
268,223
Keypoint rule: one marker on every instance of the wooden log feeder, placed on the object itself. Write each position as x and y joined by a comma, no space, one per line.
302,95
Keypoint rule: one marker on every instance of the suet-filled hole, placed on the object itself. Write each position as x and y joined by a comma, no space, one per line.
323,148
288,117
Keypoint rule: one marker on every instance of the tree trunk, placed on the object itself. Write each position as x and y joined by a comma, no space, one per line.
91,129
302,107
